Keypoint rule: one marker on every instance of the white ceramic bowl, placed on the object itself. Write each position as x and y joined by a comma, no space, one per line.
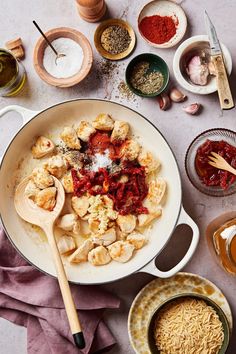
165,8
193,44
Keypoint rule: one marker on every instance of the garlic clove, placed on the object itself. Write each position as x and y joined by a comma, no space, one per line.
176,95
164,101
192,108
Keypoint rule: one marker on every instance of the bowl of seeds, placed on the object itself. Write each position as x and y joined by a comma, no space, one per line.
147,75
114,39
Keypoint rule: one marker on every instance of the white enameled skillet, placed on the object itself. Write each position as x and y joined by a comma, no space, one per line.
17,163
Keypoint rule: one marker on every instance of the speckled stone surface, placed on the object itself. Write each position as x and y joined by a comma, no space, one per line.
179,129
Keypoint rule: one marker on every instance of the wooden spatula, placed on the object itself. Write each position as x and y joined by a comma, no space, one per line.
33,214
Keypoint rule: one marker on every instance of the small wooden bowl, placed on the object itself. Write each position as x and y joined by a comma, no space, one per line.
98,33
63,32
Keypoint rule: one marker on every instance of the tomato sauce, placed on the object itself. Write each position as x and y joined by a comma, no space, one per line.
212,176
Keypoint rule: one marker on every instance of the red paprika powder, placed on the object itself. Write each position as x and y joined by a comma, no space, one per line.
158,29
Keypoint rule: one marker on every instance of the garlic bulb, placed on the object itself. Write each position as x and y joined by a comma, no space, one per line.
164,101
176,95
197,71
192,108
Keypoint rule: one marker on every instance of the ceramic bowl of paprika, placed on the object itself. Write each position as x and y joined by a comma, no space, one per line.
162,23
156,64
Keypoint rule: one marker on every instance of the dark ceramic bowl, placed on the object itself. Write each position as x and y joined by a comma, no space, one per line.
156,64
151,341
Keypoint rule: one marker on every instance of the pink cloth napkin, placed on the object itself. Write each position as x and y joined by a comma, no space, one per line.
32,299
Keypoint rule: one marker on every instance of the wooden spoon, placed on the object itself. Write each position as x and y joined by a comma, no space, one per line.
219,162
30,212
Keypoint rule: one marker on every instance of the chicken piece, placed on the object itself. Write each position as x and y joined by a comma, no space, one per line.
42,147
121,251
145,219
93,226
46,198
57,166
69,222
156,192
146,159
105,239
66,244
137,240
120,236
103,122
74,159
42,178
84,130
120,131
99,256
126,223
31,190
67,183
70,138
129,150
81,254
80,205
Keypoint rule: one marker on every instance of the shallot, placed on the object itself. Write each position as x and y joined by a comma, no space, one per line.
192,108
176,95
164,101
197,70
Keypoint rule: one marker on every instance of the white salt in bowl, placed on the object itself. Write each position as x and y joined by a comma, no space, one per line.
63,32
190,47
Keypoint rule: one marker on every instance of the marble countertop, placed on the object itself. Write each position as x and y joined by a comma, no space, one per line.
16,20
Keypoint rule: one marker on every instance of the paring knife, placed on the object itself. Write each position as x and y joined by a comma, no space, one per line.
225,96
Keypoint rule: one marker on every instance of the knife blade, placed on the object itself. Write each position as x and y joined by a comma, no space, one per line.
224,92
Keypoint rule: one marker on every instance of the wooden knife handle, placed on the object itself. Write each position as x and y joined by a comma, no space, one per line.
225,96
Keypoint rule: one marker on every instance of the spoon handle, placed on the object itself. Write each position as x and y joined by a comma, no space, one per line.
46,39
65,291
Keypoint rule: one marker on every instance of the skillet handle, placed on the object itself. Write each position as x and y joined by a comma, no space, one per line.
26,113
151,268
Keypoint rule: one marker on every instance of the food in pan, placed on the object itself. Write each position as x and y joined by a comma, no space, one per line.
188,325
212,176
113,191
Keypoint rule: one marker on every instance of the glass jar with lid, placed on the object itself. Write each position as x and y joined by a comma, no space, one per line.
221,239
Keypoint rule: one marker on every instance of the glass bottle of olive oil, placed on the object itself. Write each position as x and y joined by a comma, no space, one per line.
12,74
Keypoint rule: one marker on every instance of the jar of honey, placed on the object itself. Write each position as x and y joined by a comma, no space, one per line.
221,239
12,74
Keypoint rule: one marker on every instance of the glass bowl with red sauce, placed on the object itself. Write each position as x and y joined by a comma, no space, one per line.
207,179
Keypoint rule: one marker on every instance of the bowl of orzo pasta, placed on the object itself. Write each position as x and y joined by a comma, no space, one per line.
188,323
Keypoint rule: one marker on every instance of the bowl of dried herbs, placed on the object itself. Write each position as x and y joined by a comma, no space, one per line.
147,75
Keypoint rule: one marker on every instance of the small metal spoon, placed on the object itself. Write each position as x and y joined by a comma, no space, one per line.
58,55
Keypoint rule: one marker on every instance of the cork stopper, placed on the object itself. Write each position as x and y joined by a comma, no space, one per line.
16,47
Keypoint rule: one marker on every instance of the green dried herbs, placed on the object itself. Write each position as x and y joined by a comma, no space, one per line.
144,80
115,39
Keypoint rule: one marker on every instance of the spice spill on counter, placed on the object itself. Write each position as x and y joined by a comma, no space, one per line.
144,80
115,39
158,29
